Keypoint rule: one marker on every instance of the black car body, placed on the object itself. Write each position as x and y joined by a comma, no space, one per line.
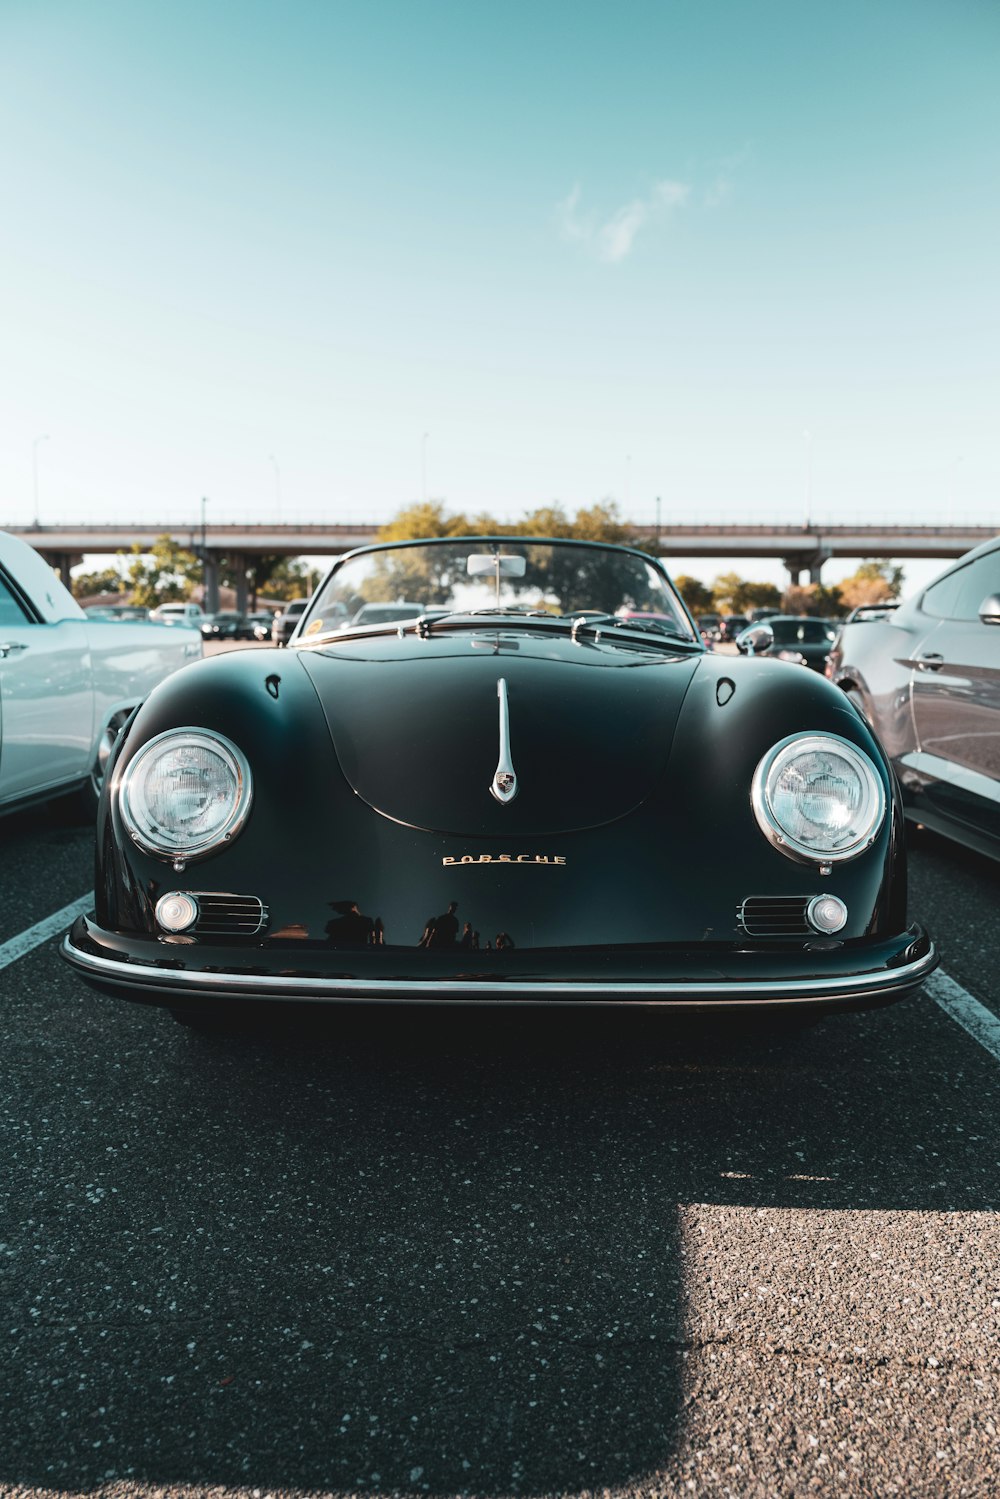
795,637
927,676
517,796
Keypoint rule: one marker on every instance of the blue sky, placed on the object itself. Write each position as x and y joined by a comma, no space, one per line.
257,251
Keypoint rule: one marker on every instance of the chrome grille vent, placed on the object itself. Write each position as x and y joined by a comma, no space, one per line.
774,916
229,915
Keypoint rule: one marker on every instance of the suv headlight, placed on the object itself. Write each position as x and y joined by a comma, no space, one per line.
817,797
185,794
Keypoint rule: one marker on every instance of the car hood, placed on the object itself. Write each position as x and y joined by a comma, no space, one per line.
416,727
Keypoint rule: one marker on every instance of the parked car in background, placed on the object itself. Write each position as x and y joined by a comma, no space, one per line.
68,681
730,626
257,626
285,621
226,625
117,612
792,637
708,624
926,675
527,792
872,611
178,614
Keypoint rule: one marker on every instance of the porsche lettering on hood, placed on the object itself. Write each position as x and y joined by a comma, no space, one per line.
591,745
552,860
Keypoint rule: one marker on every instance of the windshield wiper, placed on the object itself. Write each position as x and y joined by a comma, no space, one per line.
596,620
647,627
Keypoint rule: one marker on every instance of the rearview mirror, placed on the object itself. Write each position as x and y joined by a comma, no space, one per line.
757,638
989,610
481,564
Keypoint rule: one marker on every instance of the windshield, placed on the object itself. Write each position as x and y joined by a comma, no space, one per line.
509,574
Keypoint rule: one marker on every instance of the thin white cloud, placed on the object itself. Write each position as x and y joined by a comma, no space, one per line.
616,237
571,225
724,181
612,240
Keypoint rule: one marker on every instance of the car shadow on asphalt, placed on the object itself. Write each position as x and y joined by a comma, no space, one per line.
434,1252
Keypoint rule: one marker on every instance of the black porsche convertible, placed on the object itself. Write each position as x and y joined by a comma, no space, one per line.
536,786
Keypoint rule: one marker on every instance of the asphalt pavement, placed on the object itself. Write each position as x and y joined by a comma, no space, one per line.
499,1254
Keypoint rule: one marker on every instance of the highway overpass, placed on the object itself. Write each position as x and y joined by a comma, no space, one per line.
802,549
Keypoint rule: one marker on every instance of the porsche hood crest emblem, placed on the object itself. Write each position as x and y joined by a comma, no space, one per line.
503,786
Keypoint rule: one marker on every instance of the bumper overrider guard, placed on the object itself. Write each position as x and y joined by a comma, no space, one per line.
853,975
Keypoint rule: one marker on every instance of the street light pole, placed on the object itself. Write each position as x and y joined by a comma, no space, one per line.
423,466
809,478
277,485
34,465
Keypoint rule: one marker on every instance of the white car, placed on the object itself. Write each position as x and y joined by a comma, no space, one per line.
67,683
178,614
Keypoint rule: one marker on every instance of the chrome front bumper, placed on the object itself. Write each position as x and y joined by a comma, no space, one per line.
883,973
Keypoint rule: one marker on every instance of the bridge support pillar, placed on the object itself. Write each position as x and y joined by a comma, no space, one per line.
810,563
210,591
815,564
62,562
239,564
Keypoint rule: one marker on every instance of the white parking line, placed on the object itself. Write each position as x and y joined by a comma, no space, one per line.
52,926
982,1025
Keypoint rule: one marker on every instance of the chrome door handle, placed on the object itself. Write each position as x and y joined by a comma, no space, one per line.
931,661
7,647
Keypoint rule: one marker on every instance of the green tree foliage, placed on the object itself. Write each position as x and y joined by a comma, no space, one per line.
829,601
728,593
167,571
278,576
597,523
282,578
587,580
89,585
696,594
736,595
760,596
873,582
432,519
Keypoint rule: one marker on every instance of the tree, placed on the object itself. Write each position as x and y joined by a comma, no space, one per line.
89,585
427,519
760,596
728,593
584,579
167,571
872,583
696,594
812,598
829,601
281,577
599,522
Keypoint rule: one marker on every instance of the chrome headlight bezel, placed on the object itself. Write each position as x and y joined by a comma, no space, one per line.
772,765
141,826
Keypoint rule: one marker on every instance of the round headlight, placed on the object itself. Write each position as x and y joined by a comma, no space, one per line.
816,796
185,793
